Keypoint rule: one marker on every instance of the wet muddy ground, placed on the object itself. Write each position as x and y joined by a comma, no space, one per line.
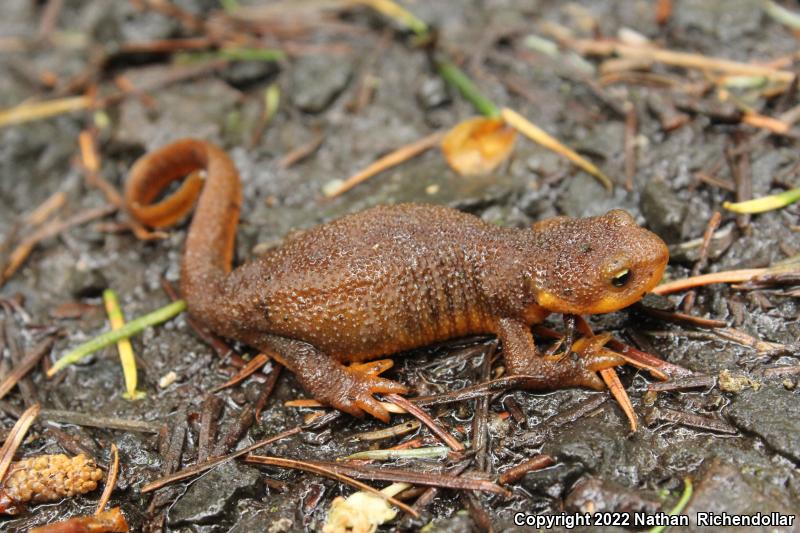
739,444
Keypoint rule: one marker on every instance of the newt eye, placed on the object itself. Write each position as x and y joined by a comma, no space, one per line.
621,278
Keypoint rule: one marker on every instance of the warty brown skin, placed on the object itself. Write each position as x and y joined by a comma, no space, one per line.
391,278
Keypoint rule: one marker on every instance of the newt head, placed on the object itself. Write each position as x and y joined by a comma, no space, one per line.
596,264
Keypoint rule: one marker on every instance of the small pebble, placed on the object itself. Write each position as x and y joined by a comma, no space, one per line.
167,379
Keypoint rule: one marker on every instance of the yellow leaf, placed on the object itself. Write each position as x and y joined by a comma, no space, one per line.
478,145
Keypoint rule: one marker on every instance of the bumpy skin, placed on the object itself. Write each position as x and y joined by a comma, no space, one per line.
392,278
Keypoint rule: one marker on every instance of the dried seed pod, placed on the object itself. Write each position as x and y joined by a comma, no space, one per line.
51,477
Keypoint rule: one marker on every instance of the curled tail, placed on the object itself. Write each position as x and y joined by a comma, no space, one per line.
211,176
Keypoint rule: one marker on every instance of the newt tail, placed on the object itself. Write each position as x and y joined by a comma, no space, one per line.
211,176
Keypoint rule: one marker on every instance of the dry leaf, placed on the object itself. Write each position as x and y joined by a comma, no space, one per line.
361,512
478,145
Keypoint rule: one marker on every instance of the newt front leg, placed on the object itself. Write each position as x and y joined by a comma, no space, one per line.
576,369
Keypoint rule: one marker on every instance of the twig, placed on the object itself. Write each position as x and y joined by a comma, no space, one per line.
430,493
53,203
631,131
397,13
98,421
611,379
387,433
727,276
322,471
479,516
30,360
49,19
210,411
702,260
250,368
301,152
267,388
30,111
680,59
174,75
91,163
697,381
480,420
413,477
482,389
431,452
111,480
426,419
663,11
165,46
171,459
388,161
773,125
15,438
689,420
740,337
235,431
269,106
210,463
740,170
534,463
781,14
51,229
681,318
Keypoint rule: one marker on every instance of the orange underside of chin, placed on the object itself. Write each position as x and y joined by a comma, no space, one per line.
604,305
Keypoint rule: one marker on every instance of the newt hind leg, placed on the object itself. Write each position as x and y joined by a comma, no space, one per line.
577,369
349,389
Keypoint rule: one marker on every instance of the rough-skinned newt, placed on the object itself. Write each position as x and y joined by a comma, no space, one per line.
390,279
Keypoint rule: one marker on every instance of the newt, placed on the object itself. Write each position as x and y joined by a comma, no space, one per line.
390,279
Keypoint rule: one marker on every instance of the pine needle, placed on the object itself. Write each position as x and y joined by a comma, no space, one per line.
539,136
402,154
308,402
397,13
28,112
249,369
15,438
766,203
609,375
111,481
430,452
126,357
782,15
727,276
458,79
106,339
680,506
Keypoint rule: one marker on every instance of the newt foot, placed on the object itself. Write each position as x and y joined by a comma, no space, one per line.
353,393
578,368
591,358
